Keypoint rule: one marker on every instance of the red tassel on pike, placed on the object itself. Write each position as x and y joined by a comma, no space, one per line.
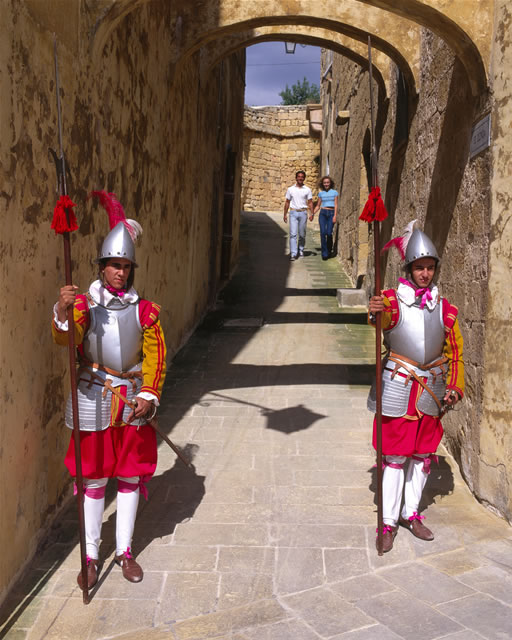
64,220
374,208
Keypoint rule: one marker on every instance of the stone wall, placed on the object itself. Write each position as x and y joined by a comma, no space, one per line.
346,88
137,121
490,463
462,203
277,144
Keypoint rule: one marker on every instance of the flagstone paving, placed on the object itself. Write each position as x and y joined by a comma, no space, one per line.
271,536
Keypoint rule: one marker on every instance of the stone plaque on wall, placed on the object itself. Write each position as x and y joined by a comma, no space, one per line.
480,136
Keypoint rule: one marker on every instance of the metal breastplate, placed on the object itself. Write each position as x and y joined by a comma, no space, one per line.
419,336
419,333
114,338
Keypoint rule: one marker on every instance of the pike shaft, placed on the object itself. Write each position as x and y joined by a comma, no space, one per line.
61,171
378,324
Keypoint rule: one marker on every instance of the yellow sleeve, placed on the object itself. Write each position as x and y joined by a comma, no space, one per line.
453,351
153,363
81,320
386,317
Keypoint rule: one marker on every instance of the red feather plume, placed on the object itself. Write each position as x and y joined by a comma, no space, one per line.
112,206
398,243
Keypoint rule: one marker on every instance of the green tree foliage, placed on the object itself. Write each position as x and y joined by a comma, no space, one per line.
301,93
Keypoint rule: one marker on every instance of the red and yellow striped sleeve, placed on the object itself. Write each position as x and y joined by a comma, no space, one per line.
81,319
391,311
453,347
154,350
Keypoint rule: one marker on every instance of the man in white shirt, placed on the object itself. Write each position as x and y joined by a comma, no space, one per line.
298,200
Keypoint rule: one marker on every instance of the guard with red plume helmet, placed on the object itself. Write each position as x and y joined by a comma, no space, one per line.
422,377
413,245
120,242
121,351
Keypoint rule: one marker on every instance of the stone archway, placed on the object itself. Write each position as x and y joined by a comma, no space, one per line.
465,26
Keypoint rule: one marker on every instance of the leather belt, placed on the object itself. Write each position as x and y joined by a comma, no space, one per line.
128,375
402,362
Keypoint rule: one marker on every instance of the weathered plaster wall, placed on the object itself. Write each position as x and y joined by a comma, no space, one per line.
494,479
277,144
139,125
431,177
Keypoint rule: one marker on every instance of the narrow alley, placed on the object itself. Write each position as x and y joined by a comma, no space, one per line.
272,535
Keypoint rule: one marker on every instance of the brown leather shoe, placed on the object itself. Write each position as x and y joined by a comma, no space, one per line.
92,574
388,538
416,527
132,571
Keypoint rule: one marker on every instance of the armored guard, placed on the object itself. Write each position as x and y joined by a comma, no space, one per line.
119,340
423,376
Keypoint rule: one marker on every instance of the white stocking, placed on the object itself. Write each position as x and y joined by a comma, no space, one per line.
414,484
94,504
127,502
392,488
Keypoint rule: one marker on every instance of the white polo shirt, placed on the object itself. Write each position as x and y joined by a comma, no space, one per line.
298,196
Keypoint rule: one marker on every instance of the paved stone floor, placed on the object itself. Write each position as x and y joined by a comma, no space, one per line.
271,536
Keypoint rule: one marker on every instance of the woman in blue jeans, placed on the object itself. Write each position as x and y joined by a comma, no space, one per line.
328,205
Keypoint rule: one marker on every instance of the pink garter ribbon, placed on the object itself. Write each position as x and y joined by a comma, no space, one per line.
424,292
128,487
427,462
143,480
393,465
97,493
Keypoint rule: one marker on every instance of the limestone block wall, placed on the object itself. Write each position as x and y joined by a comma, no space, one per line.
137,121
342,145
277,143
462,203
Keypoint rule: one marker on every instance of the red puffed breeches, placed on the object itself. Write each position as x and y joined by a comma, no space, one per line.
125,451
405,437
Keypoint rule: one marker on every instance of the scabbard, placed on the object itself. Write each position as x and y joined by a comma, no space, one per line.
152,423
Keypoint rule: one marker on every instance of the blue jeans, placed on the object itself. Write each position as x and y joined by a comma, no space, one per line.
326,227
298,221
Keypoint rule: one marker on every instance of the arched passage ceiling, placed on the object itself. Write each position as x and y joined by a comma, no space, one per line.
348,47
400,44
465,25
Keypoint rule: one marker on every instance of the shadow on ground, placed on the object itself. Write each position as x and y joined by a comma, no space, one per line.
440,483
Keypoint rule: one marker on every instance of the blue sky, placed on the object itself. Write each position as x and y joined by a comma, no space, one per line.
269,68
